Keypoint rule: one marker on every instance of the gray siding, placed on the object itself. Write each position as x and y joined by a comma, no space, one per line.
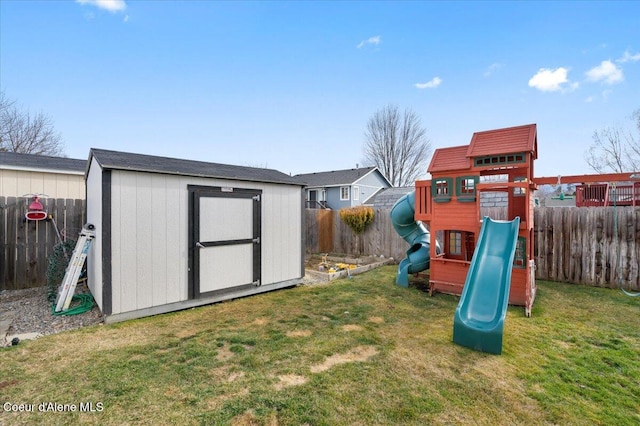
367,186
333,199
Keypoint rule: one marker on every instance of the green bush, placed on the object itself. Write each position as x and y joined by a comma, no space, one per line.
357,218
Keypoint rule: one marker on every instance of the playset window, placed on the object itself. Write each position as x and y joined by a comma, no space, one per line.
499,160
519,260
460,245
344,193
455,243
466,188
441,190
519,192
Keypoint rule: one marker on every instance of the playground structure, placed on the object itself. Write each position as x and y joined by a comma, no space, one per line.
500,161
495,161
488,261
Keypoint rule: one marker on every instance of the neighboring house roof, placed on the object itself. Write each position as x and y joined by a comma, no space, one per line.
387,197
509,140
45,163
116,160
453,158
338,177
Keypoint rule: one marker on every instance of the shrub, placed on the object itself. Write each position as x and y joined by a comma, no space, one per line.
357,218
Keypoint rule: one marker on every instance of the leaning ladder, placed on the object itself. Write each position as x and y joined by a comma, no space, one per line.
74,268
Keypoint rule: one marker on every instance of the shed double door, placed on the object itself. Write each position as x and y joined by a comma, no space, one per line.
224,239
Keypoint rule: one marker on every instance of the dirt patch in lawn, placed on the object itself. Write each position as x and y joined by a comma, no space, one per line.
288,380
224,353
376,320
299,333
260,321
358,354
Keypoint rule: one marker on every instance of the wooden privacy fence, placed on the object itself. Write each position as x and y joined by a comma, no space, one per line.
572,244
26,245
579,245
326,233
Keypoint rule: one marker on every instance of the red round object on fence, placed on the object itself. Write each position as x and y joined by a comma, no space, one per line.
36,215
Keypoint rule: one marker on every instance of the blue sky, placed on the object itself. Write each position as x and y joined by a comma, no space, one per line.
291,85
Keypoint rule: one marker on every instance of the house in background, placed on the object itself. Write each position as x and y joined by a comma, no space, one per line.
338,189
53,177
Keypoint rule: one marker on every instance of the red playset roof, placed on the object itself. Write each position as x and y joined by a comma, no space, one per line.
509,140
453,158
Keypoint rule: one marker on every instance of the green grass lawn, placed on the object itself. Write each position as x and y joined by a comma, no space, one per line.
360,351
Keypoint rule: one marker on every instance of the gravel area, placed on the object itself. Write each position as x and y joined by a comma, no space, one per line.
28,311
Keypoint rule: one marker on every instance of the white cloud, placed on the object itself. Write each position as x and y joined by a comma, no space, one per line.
492,68
551,80
628,57
606,72
589,99
110,5
431,84
375,40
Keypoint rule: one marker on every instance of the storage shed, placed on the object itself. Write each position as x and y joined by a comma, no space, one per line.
172,233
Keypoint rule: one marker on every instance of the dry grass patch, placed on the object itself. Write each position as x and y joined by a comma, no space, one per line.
358,354
288,380
352,327
216,402
224,353
235,376
185,333
260,321
249,418
299,333
376,320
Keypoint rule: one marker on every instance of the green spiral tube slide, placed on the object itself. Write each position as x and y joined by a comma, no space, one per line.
415,234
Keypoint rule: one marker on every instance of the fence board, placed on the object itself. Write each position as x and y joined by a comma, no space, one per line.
25,246
325,225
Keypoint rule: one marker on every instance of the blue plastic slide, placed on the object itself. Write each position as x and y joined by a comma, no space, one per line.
479,317
414,233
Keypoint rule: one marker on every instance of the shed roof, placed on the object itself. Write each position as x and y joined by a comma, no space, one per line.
17,161
116,160
509,140
338,177
452,158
